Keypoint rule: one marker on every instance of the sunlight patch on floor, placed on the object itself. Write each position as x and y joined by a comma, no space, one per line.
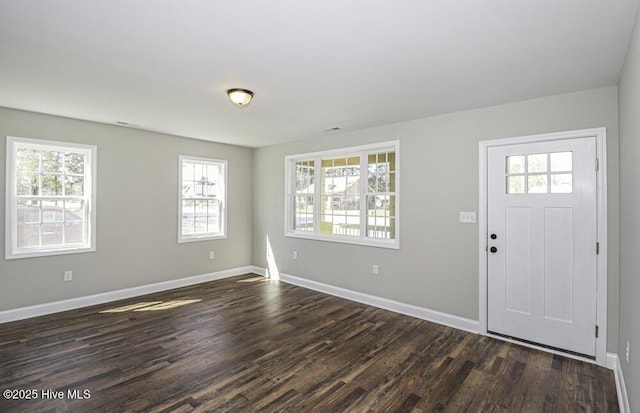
150,306
253,280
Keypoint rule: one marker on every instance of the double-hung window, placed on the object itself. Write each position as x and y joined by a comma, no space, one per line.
349,195
203,196
50,201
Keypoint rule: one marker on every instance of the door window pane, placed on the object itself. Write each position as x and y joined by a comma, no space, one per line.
537,184
515,184
515,164
537,163
561,183
561,162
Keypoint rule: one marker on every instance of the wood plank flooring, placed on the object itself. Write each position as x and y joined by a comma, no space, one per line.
249,344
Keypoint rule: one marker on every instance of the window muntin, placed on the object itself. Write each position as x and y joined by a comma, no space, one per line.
50,198
347,195
540,173
202,199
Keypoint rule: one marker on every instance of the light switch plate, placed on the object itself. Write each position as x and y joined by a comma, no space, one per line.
467,217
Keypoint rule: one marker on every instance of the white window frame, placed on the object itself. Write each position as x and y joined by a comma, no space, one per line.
11,216
223,164
362,151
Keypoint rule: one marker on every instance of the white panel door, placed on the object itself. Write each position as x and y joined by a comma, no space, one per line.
542,243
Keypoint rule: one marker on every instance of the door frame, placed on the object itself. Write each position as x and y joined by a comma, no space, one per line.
601,216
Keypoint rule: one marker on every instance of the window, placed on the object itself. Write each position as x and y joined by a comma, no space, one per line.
540,173
202,210
348,195
50,198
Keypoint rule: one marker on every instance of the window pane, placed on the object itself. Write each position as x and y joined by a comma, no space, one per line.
537,184
73,232
74,163
213,173
305,177
537,163
188,216
562,162
28,211
515,184
199,172
28,235
561,183
188,189
213,216
27,160
51,185
74,186
187,171
515,164
201,224
52,161
303,213
379,223
27,184
52,234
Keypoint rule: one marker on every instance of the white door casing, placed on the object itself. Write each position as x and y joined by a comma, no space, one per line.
544,283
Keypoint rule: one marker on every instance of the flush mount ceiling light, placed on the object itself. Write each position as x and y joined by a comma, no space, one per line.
240,97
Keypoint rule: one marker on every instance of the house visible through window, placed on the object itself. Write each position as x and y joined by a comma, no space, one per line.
349,195
51,198
202,199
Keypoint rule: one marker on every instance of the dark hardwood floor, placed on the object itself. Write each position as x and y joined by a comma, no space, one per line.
248,344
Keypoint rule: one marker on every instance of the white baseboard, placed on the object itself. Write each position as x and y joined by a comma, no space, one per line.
73,303
613,362
449,320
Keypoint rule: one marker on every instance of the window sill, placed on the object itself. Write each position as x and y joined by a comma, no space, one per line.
46,253
205,238
389,244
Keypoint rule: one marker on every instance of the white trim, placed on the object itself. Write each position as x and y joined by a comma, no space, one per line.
422,313
223,203
79,302
601,152
361,151
613,362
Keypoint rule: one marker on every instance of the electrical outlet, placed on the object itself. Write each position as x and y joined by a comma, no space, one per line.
211,255
467,217
295,255
628,350
68,275
375,270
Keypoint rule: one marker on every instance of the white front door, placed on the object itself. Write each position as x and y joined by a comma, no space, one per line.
542,232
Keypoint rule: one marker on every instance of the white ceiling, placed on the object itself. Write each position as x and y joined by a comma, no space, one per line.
164,65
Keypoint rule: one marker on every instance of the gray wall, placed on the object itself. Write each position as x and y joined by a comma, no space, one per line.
437,264
137,212
629,218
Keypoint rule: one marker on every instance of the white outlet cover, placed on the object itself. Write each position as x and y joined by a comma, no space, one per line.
467,217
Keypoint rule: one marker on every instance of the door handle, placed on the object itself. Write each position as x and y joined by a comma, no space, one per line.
493,250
